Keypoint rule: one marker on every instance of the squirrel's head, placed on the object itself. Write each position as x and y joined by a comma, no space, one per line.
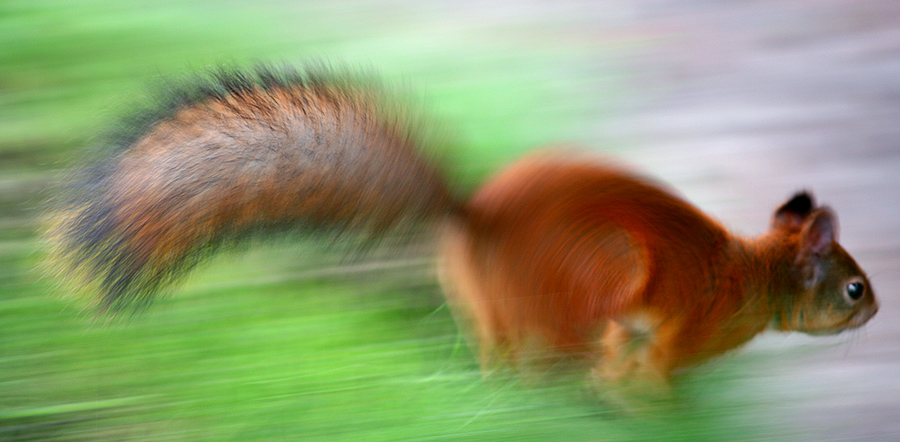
828,292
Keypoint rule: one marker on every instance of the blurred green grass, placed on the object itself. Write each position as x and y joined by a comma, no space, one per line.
280,342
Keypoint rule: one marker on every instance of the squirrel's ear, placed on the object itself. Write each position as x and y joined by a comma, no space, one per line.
819,233
792,214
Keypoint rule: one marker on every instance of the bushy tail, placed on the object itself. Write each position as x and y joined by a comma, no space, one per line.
228,155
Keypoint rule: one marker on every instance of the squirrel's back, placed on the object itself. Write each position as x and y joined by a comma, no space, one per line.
595,241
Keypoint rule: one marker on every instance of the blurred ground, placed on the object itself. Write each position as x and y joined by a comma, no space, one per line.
736,104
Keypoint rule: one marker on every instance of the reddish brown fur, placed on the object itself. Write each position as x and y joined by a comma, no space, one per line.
267,186
585,259
551,257
244,153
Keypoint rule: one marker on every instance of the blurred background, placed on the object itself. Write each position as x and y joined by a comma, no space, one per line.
735,104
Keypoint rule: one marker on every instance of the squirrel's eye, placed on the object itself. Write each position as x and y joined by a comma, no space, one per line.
855,290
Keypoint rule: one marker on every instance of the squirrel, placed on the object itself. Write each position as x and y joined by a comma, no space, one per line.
554,255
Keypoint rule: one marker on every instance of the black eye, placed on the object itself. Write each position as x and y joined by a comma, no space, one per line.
855,290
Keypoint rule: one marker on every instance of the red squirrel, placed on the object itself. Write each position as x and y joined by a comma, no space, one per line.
552,256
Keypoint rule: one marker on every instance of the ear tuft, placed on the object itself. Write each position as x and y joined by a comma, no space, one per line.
791,214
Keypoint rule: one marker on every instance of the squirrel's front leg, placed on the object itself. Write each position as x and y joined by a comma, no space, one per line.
637,356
